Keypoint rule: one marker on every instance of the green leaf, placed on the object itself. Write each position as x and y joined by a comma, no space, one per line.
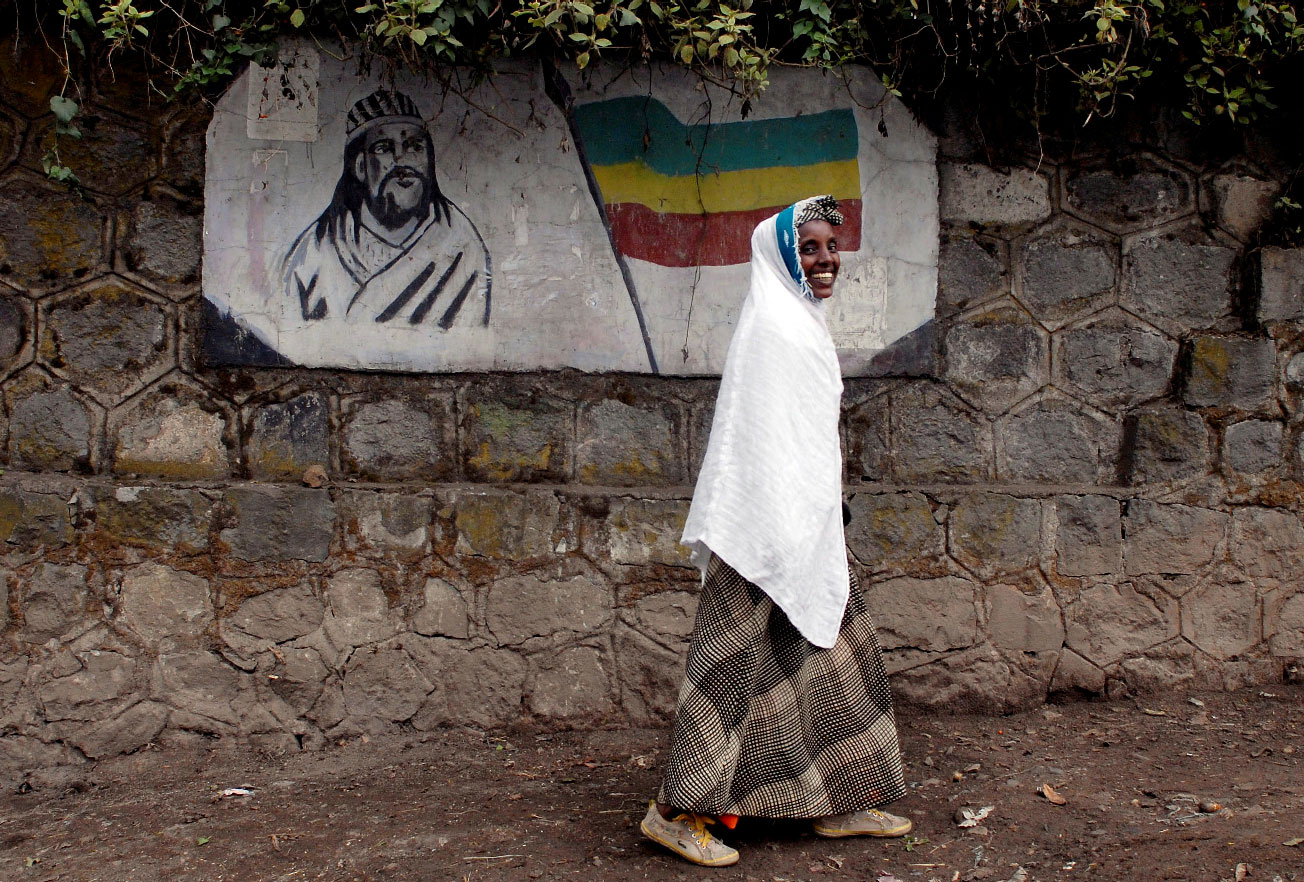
297,17
418,37
64,109
220,21
203,840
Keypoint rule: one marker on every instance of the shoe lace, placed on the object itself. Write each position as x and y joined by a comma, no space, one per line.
697,826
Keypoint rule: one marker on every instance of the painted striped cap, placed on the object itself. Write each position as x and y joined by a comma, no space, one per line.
380,106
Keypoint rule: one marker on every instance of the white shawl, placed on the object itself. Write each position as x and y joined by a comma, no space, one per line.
769,496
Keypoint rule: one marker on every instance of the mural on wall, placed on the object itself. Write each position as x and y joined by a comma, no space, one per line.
540,221
389,244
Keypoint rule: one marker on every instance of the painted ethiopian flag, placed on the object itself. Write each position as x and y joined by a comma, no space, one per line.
689,195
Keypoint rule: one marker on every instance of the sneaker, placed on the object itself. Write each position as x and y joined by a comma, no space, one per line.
686,835
870,822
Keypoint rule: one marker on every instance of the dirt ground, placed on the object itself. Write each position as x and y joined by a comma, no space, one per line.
1178,787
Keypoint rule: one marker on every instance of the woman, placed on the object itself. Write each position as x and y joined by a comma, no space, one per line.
785,710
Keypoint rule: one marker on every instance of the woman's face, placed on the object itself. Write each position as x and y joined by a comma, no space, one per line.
817,245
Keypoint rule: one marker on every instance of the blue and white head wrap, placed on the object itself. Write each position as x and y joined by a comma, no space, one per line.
786,223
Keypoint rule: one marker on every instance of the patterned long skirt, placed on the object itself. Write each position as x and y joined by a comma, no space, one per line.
770,725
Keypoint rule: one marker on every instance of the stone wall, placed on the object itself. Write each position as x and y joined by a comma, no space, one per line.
1093,491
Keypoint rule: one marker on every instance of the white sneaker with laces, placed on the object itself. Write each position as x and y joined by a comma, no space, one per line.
868,822
686,835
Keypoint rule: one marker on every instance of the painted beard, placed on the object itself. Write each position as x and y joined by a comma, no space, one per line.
401,197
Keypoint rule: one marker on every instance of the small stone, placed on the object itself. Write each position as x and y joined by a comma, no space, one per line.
314,476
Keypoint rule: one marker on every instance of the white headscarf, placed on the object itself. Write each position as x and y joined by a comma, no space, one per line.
769,496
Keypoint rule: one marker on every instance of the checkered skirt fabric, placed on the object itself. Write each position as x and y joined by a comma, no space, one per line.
770,725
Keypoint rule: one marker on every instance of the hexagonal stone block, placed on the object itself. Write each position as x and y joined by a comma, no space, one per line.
626,445
1024,621
1088,535
1268,543
50,427
937,438
173,432
1164,444
893,531
11,138
1056,441
1065,270
970,269
1253,446
1123,195
996,357
111,156
109,339
1173,539
574,684
1241,202
160,241
399,438
183,150
505,524
973,193
1182,283
15,331
868,439
1222,617
994,533
1238,372
935,615
1114,359
1287,628
509,438
287,437
49,236
31,74
1108,623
